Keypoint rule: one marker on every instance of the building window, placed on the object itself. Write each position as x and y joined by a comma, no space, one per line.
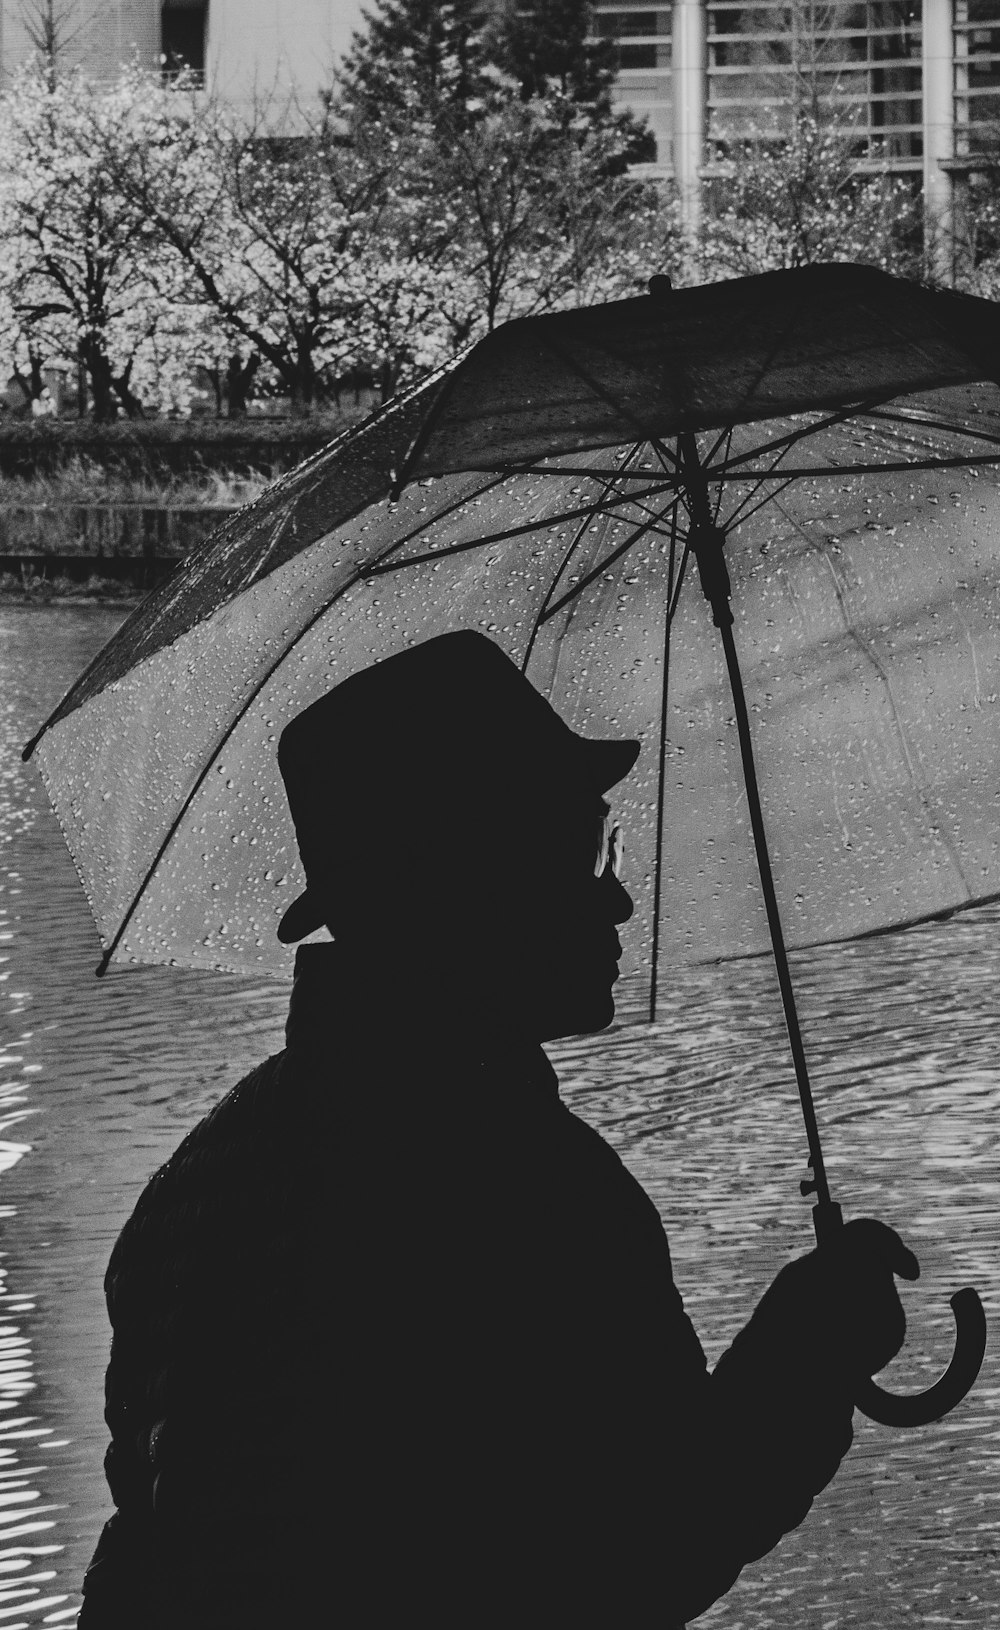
642,38
858,62
183,36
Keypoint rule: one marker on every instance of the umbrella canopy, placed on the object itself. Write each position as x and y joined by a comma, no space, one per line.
538,491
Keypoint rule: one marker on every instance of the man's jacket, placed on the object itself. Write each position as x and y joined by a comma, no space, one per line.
395,1335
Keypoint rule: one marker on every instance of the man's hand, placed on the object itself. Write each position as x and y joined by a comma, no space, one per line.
838,1308
827,1323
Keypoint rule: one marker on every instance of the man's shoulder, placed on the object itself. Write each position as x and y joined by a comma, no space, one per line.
219,1156
238,1122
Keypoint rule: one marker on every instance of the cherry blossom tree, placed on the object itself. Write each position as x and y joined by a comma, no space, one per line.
288,225
83,281
794,197
148,233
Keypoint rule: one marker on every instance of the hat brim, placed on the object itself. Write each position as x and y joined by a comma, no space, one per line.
606,762
303,917
601,764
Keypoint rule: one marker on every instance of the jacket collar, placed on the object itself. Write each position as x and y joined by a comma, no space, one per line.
335,1025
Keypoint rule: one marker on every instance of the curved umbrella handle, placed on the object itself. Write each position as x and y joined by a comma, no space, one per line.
917,1408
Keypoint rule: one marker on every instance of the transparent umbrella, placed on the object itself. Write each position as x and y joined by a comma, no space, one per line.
812,453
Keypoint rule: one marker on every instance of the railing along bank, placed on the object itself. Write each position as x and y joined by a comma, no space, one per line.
133,542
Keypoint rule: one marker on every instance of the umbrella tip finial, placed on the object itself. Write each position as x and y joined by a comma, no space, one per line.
660,285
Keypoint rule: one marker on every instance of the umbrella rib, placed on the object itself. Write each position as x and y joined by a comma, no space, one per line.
772,351
662,766
793,436
725,435
902,465
669,460
685,557
447,374
749,497
564,470
933,424
379,568
656,516
645,431
645,509
550,591
599,570
422,437
736,519
442,514
728,438
541,614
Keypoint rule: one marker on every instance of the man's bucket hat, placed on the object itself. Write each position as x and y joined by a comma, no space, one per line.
448,728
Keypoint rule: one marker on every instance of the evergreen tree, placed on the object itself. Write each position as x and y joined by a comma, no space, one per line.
52,27
550,44
413,55
550,47
444,60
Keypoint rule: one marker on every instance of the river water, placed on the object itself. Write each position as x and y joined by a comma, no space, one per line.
100,1079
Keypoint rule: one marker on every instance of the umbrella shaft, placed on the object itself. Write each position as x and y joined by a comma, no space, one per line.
774,922
706,543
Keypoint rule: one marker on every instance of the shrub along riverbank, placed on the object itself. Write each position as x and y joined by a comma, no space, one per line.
163,451
105,510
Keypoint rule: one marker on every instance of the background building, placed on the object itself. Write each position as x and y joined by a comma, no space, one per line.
920,79
244,48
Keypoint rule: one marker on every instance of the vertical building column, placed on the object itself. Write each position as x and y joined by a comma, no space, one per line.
689,58
937,62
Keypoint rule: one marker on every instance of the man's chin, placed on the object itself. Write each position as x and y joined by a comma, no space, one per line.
580,1018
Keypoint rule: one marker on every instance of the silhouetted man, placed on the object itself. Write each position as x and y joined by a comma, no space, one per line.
395,1335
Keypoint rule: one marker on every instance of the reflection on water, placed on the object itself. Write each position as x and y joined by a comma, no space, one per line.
98,1080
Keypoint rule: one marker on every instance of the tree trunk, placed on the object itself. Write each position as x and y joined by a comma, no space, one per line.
132,405
304,382
34,384
214,378
239,380
102,383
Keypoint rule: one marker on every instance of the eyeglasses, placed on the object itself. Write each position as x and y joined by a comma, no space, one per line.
612,848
